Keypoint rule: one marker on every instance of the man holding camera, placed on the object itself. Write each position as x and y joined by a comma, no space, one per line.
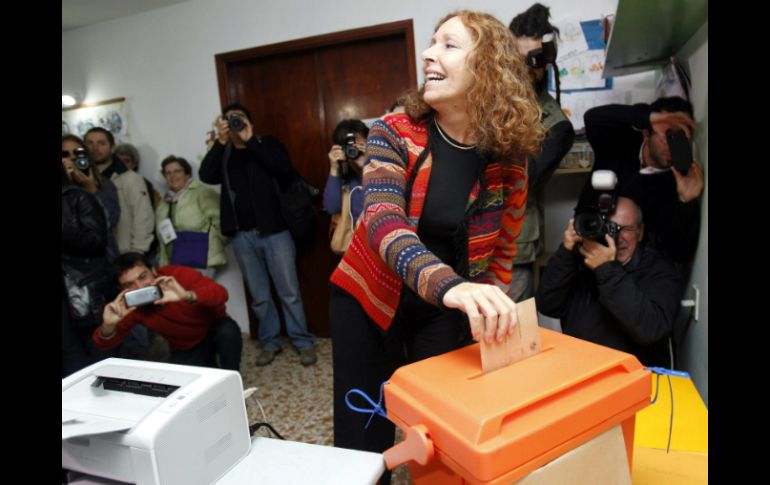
536,43
190,314
632,142
346,165
616,291
247,166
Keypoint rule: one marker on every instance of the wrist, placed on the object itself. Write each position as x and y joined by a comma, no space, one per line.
190,297
106,333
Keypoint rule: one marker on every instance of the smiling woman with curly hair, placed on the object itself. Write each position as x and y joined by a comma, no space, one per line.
445,187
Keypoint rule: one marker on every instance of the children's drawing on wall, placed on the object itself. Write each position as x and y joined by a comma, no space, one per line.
581,63
110,115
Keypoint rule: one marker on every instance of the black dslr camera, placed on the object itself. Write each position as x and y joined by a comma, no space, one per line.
545,55
81,160
351,150
235,122
593,222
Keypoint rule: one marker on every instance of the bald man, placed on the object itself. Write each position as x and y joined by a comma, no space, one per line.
617,292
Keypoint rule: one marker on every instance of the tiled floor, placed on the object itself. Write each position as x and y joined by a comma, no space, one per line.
297,400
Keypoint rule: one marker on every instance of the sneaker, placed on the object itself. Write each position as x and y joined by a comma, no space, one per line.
307,356
266,356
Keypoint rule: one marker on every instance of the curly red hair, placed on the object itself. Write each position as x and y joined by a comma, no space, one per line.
502,106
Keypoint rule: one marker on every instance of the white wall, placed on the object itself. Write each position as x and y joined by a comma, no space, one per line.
694,56
162,62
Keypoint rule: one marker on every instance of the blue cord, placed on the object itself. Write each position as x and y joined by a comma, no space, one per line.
668,372
377,408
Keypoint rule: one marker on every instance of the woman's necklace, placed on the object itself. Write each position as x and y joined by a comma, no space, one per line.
446,139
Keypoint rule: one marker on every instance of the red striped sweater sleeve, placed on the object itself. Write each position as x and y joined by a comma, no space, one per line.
388,230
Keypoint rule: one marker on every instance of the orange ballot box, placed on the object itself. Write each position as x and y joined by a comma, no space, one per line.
463,426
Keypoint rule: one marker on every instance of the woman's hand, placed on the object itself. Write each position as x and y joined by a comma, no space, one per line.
490,311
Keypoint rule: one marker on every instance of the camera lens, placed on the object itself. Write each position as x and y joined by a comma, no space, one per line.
351,150
590,225
81,159
235,122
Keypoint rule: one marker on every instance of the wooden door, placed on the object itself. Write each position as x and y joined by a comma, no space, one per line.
298,91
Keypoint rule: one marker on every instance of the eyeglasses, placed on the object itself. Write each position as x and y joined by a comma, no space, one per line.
67,153
628,229
173,172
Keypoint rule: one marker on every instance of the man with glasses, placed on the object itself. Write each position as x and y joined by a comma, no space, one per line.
190,314
617,292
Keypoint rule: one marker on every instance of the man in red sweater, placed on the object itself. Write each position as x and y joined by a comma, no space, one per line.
190,315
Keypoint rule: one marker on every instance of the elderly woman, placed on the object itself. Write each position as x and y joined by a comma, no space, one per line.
445,187
189,206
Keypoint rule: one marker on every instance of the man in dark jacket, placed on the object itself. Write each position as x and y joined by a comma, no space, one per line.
623,294
247,166
631,141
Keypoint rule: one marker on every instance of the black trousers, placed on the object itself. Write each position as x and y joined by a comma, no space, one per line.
364,357
223,339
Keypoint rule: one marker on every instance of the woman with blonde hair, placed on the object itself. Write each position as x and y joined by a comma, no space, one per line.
445,186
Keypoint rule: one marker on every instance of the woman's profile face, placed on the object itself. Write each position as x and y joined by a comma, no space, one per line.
447,78
175,176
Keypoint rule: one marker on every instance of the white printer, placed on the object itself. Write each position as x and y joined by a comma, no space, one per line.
153,423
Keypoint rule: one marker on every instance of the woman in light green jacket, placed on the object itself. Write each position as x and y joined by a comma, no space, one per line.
190,207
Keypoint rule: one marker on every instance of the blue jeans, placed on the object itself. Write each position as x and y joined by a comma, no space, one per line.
274,254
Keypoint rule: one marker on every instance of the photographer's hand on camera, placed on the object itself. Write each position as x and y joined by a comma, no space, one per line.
173,291
78,177
690,186
596,254
336,158
571,238
113,313
223,131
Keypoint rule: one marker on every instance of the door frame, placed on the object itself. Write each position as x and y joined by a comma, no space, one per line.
403,27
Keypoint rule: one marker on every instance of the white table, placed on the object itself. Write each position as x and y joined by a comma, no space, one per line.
279,462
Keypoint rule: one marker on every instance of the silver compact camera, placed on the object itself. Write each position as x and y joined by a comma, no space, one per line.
143,296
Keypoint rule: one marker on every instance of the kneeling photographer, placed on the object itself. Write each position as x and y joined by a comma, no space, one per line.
343,195
606,286
180,304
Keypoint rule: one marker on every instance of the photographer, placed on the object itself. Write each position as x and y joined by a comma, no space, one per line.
346,164
250,212
536,42
618,292
190,314
86,284
80,171
632,142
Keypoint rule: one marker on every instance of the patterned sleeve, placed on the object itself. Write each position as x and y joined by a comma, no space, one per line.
387,227
500,267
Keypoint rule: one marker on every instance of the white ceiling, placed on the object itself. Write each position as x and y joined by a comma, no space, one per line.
80,13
